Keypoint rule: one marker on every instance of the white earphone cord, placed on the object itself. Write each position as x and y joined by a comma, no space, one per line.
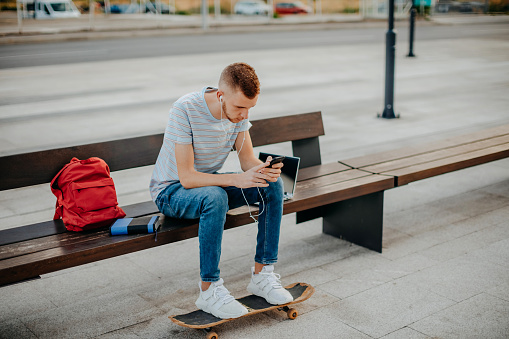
238,152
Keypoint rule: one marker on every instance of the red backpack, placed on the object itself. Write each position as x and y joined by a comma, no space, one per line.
86,196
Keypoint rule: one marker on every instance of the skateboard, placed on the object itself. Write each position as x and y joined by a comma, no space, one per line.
254,304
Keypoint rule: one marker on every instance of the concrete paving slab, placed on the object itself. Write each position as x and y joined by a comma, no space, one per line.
90,318
173,296
391,306
405,333
501,188
353,284
320,323
460,278
21,300
473,204
359,260
15,329
168,257
424,218
489,320
162,328
120,334
404,266
466,244
314,276
398,244
501,291
430,241
83,283
495,252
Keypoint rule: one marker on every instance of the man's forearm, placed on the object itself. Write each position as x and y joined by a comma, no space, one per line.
199,179
246,165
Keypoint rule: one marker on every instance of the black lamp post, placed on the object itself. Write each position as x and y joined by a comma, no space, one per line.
412,29
390,54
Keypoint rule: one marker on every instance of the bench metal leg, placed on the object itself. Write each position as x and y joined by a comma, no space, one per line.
358,220
310,214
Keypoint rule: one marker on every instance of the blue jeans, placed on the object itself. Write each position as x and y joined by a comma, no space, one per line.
210,205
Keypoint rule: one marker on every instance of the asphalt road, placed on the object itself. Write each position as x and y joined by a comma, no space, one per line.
40,54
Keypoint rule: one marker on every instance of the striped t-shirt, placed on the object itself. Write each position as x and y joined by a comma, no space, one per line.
190,122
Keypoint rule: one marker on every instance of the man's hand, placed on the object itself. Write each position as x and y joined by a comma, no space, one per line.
273,172
259,175
253,177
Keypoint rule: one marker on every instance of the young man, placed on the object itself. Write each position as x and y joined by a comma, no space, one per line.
203,128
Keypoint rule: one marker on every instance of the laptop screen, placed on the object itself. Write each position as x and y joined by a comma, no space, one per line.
289,172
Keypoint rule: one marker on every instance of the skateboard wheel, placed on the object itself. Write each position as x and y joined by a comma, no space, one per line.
212,335
292,313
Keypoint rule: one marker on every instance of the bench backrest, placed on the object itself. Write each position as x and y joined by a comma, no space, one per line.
40,167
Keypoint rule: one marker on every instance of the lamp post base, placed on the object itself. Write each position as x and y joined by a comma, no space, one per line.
388,114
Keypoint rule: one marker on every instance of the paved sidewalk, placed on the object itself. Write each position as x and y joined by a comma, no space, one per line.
444,270
123,25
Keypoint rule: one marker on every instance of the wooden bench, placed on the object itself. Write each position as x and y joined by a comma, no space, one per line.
338,193
415,163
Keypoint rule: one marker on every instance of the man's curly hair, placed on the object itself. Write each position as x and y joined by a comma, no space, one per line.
241,76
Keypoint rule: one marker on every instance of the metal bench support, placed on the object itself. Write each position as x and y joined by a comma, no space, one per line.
358,220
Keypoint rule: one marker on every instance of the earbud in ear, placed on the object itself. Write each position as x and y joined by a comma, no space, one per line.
221,98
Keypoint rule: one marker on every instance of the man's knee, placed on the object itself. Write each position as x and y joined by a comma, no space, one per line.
215,198
275,189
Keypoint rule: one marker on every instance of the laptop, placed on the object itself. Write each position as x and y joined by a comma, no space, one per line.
289,172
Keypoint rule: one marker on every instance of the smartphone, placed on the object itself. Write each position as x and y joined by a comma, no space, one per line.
276,160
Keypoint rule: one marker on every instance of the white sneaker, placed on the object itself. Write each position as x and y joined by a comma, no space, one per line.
267,285
218,301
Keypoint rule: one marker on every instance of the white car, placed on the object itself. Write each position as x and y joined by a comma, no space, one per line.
49,9
251,7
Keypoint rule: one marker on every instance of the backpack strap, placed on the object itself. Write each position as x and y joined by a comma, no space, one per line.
55,188
58,211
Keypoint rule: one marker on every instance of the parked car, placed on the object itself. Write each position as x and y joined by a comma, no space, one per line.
117,9
251,7
151,7
298,7
50,9
447,6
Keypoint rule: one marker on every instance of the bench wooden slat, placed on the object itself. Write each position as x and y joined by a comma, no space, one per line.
283,129
44,165
373,159
320,170
329,179
442,166
139,151
56,240
447,153
140,209
22,233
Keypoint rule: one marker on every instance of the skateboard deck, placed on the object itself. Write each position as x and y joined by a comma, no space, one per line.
254,304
